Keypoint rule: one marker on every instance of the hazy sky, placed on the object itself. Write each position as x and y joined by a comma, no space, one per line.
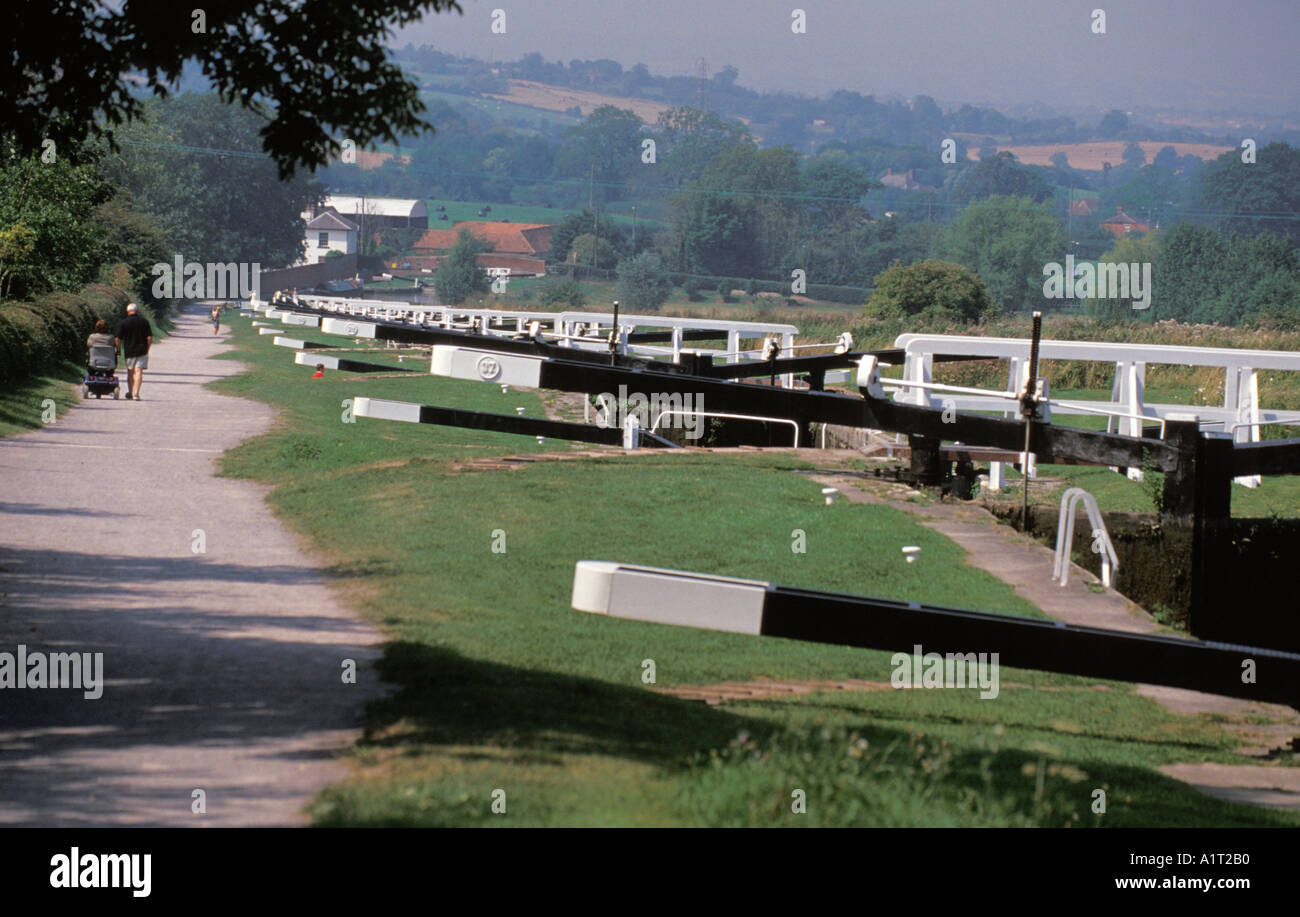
1207,55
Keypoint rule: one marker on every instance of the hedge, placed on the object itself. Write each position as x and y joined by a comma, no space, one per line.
36,336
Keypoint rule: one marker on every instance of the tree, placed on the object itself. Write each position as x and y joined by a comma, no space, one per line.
1007,241
643,283
1130,249
130,241
833,194
692,138
931,287
716,235
1204,277
16,244
578,224
586,249
1251,197
603,149
319,77
742,216
1187,277
59,246
1154,189
458,275
1134,155
212,206
1113,124
1000,175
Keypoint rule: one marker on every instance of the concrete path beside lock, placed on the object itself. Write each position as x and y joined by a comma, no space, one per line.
223,668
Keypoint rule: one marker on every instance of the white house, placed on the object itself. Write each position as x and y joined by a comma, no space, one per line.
328,232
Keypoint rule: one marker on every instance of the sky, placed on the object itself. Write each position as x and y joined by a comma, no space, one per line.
1222,56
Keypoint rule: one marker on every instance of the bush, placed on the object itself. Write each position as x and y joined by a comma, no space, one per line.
691,287
36,336
643,283
931,287
724,290
562,291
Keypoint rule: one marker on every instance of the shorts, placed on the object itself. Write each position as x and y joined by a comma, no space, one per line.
140,362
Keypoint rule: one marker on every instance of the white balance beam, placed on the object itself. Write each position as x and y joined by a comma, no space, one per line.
379,409
348,327
311,358
669,596
486,366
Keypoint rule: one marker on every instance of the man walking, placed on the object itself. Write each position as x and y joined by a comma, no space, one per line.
134,337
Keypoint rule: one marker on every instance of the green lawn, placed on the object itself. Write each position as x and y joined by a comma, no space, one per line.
498,684
25,405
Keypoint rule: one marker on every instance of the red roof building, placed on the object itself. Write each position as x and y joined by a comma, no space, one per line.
1121,224
533,239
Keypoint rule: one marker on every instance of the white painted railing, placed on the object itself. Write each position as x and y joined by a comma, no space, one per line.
577,329
1127,408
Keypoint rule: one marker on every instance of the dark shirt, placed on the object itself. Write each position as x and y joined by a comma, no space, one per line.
134,333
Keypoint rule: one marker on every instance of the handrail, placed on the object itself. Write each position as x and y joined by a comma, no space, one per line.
1065,536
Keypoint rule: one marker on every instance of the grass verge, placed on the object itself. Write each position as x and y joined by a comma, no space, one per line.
499,686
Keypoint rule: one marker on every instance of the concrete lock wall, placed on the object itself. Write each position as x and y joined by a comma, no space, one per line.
1155,557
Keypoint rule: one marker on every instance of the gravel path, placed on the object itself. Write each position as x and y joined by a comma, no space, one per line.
223,670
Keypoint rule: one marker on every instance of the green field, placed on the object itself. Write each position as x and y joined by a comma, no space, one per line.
498,684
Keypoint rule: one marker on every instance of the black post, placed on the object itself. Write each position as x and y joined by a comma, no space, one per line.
1029,407
1211,601
926,462
1179,494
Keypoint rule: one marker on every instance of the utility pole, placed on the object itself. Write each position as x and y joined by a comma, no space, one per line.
1069,222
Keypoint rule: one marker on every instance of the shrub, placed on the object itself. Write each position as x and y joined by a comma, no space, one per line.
643,283
562,291
931,287
36,336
